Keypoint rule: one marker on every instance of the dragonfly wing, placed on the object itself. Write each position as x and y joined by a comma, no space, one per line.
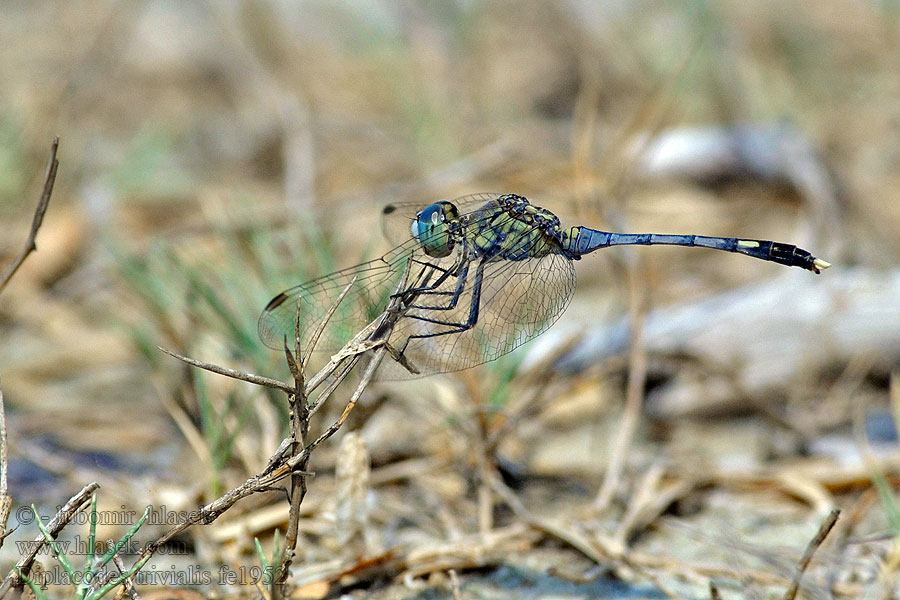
519,301
370,286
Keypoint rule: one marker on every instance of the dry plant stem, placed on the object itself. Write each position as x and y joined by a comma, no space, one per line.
298,493
280,465
56,524
335,382
5,498
299,433
364,382
47,191
249,377
478,435
345,360
811,548
714,591
840,537
128,584
209,513
300,413
637,377
648,502
454,584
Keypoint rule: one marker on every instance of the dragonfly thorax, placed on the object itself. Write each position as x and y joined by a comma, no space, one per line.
433,228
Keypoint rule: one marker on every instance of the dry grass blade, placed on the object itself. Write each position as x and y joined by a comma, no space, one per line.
811,548
650,500
47,191
352,485
634,395
454,584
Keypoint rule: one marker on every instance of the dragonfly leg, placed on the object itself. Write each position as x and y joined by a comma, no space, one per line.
454,295
455,327
425,286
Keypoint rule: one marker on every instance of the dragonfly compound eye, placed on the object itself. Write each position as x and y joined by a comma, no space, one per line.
432,228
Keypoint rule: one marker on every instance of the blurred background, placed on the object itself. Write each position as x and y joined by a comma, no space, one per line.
215,153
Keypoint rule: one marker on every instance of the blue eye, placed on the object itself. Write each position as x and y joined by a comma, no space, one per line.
432,228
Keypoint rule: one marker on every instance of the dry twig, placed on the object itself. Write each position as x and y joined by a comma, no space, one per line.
292,456
30,246
637,378
128,584
234,374
811,548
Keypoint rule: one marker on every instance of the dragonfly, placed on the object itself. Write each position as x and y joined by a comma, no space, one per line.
471,280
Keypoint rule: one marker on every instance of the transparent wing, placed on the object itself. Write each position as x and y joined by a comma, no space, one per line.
466,311
397,218
372,284
519,300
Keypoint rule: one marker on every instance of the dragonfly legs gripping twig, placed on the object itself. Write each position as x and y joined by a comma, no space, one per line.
454,327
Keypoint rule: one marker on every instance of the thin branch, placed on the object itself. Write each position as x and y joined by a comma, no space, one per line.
335,382
811,548
210,512
292,456
30,246
128,584
234,374
299,404
454,584
363,383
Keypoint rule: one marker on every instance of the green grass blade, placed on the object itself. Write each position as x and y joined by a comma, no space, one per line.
124,540
54,545
121,578
38,592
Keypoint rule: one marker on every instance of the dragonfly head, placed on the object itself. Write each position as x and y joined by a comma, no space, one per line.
432,228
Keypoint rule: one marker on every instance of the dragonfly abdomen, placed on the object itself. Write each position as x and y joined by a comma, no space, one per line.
582,240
